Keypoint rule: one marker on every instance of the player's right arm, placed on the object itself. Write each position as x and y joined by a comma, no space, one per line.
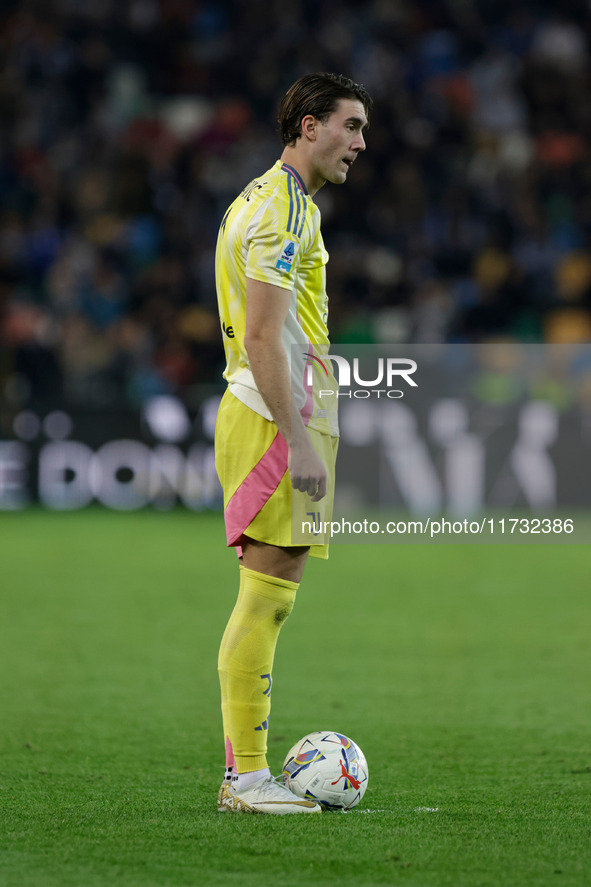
267,307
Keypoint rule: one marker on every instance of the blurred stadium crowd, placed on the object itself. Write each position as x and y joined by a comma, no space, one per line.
129,125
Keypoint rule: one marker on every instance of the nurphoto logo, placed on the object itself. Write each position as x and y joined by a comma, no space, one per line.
387,371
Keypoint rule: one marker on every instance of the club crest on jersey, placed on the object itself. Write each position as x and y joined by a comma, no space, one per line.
288,254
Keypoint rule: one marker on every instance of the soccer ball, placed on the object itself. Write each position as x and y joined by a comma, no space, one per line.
328,768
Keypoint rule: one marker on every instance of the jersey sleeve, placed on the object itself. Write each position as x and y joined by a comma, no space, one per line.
274,240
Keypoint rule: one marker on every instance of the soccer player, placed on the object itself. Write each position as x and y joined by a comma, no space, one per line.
275,438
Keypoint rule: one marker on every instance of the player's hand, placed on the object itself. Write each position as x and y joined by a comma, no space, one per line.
306,471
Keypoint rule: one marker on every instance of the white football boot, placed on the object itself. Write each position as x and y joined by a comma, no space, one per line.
268,795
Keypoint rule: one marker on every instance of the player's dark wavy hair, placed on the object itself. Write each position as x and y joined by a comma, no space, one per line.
318,95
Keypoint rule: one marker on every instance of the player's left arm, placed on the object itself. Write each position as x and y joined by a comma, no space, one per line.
267,307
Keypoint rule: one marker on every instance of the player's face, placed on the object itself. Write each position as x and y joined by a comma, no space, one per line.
339,141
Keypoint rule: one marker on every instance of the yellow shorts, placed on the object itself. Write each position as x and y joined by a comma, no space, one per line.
259,502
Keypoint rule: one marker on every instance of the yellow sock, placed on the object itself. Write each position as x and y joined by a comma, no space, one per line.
245,664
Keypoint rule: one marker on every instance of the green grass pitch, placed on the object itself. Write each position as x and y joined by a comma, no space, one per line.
462,671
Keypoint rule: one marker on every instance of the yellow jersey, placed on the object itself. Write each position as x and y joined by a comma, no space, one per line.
271,233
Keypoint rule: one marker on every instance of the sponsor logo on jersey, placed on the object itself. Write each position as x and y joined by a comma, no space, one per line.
314,361
288,253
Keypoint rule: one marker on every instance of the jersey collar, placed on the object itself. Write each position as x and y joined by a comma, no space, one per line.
296,176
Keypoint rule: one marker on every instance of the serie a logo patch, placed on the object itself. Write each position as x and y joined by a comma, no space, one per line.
288,253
